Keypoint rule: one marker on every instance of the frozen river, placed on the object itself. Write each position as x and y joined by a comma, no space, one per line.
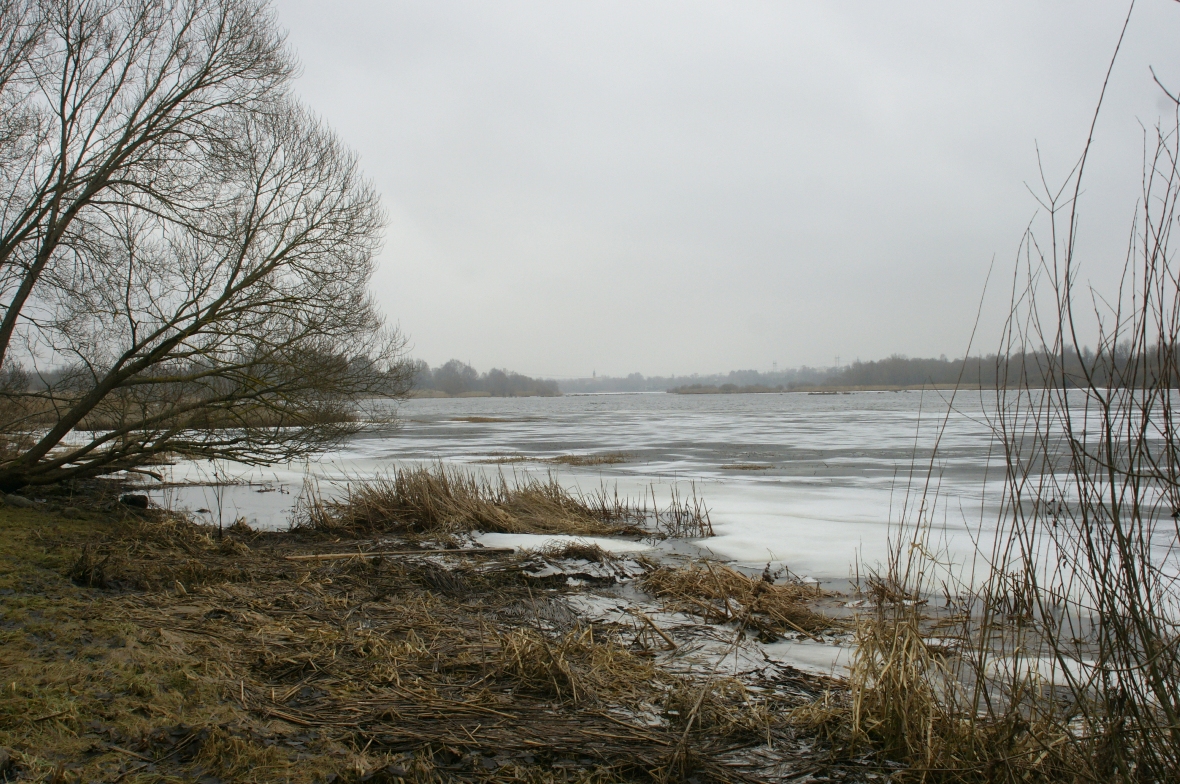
810,482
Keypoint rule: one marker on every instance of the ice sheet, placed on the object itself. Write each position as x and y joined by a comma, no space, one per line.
822,658
810,483
542,541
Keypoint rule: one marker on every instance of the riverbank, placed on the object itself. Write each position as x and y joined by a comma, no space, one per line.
379,642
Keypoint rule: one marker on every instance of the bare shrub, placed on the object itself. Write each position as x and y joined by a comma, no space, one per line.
1064,658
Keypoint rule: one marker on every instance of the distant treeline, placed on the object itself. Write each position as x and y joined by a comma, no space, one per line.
637,382
1120,368
1031,369
458,378
902,371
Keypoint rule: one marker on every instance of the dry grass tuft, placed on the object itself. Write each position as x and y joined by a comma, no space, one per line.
578,550
722,706
686,517
504,459
96,571
576,668
719,594
942,716
216,657
607,458
445,501
442,502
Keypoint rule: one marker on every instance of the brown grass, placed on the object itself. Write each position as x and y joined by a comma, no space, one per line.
686,517
718,593
721,705
202,659
586,551
442,501
606,458
941,711
578,669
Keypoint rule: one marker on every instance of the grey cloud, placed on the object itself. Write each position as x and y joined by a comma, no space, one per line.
679,187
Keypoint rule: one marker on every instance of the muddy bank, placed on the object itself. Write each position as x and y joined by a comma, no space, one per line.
138,646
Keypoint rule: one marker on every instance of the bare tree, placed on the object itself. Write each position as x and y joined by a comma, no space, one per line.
185,247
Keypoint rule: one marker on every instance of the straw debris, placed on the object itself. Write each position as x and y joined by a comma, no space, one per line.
719,594
577,669
217,657
721,705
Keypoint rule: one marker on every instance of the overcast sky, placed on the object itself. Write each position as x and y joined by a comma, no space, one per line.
679,187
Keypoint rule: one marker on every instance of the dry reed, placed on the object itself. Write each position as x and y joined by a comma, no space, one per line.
1063,662
368,667
720,705
686,517
720,594
578,669
442,500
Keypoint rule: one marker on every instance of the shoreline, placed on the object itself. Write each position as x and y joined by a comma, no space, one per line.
206,644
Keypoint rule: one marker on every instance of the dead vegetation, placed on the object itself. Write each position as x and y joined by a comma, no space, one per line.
481,420
1059,660
577,669
720,594
965,696
579,550
150,648
686,517
446,501
605,458
722,705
